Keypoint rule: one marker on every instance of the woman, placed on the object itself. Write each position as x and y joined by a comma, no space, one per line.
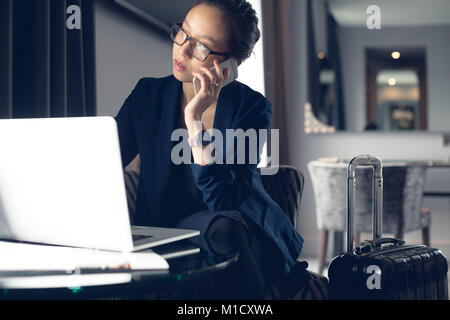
226,202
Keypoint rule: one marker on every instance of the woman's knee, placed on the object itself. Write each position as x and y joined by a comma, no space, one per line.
226,235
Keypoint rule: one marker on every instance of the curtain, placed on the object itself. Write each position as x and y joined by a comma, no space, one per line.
313,64
5,57
277,52
46,69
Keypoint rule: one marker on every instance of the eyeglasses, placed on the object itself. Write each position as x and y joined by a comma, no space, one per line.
199,50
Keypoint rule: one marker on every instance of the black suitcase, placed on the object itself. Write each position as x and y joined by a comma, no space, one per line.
384,268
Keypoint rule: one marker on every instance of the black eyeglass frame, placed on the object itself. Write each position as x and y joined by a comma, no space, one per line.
188,38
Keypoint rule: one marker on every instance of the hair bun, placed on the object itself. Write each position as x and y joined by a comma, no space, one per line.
243,25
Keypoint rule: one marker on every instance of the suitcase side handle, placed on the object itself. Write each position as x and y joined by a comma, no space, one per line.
377,196
369,245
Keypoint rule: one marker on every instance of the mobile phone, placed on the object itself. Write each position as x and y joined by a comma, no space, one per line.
230,64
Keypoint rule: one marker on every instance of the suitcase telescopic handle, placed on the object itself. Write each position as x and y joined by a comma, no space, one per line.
377,196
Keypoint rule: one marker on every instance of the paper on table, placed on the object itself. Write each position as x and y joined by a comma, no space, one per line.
29,257
64,281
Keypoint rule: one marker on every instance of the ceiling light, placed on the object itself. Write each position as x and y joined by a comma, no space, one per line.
395,55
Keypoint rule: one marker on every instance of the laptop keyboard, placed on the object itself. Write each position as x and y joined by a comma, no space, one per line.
137,237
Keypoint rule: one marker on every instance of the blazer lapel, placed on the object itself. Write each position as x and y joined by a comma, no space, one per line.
170,114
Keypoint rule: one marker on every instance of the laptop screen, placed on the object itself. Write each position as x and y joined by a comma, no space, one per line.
61,182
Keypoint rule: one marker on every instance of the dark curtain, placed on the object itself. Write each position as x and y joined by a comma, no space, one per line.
277,50
338,111
313,63
46,69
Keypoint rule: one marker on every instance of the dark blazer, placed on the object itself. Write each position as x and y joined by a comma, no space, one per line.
146,121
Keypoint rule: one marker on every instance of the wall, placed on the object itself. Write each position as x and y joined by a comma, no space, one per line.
305,148
354,41
127,49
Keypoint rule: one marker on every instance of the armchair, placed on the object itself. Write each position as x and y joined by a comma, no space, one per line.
285,188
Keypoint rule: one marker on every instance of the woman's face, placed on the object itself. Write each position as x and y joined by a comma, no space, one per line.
205,24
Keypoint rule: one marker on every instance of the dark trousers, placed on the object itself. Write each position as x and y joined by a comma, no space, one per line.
243,280
226,232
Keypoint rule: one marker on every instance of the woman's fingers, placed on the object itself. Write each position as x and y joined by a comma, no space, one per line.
221,76
211,80
210,74
202,79
218,73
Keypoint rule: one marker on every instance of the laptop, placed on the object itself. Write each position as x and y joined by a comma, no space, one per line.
62,183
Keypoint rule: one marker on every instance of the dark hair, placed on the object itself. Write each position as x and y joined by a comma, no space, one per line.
243,32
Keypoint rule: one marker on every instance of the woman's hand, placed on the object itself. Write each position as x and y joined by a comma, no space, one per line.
209,92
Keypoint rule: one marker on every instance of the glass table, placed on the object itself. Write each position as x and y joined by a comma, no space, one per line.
189,276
